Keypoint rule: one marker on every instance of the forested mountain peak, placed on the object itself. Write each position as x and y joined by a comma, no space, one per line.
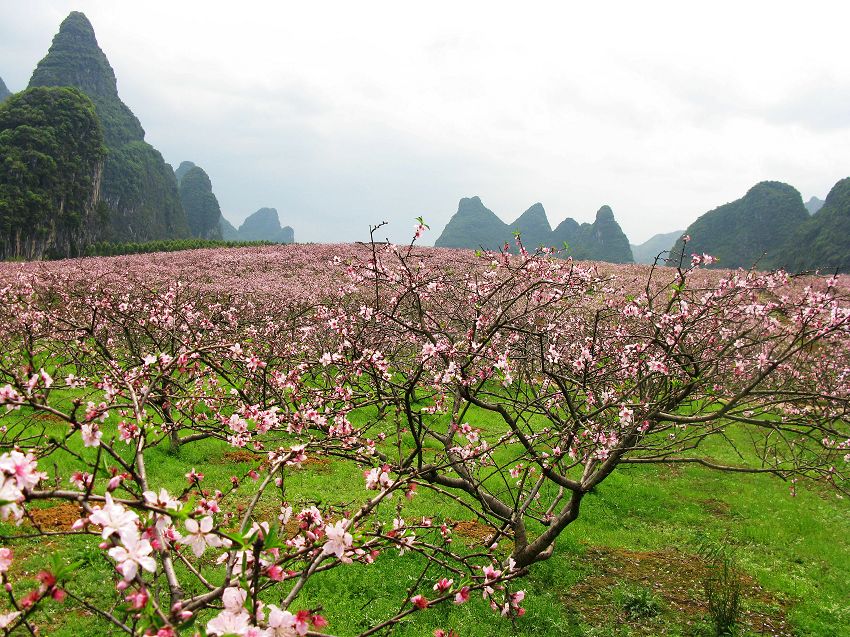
607,240
822,241
605,214
474,226
535,216
473,205
51,145
533,227
199,202
742,232
76,59
535,211
139,188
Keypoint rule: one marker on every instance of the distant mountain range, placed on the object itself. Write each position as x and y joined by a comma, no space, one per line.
769,227
655,248
134,195
263,225
206,220
814,204
475,226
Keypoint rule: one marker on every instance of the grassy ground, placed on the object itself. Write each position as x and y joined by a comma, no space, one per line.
629,566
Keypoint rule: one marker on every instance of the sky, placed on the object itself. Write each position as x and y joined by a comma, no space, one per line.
343,114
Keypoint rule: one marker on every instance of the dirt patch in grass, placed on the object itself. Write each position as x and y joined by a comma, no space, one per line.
55,518
717,508
241,455
46,416
319,464
669,471
675,578
476,531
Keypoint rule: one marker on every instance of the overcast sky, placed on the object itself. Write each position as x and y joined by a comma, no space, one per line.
342,114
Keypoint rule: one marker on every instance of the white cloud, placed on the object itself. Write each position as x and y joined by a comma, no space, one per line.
342,114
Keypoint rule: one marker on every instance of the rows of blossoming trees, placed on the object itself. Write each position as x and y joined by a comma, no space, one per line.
377,355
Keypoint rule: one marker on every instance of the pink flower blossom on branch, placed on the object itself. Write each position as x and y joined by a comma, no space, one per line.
132,553
114,518
199,535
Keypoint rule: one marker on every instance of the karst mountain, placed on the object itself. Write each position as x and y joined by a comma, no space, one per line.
139,188
475,226
770,227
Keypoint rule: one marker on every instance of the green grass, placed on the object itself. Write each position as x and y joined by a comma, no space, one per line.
796,548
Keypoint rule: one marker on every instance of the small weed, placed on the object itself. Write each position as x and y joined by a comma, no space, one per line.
638,602
723,593
722,587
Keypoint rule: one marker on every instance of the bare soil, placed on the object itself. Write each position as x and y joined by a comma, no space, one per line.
55,518
676,579
473,530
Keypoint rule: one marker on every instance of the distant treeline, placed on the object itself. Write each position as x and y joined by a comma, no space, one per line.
105,249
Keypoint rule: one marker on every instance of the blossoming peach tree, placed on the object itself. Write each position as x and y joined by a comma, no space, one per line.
582,370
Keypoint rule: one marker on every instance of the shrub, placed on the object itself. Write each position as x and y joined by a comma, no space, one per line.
639,602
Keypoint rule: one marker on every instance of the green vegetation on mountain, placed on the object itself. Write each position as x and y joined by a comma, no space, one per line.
264,225
649,250
567,234
534,228
200,204
139,188
51,150
741,233
821,242
221,228
474,226
141,192
4,92
604,240
75,59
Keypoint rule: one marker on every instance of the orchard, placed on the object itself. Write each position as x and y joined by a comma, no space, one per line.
507,385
